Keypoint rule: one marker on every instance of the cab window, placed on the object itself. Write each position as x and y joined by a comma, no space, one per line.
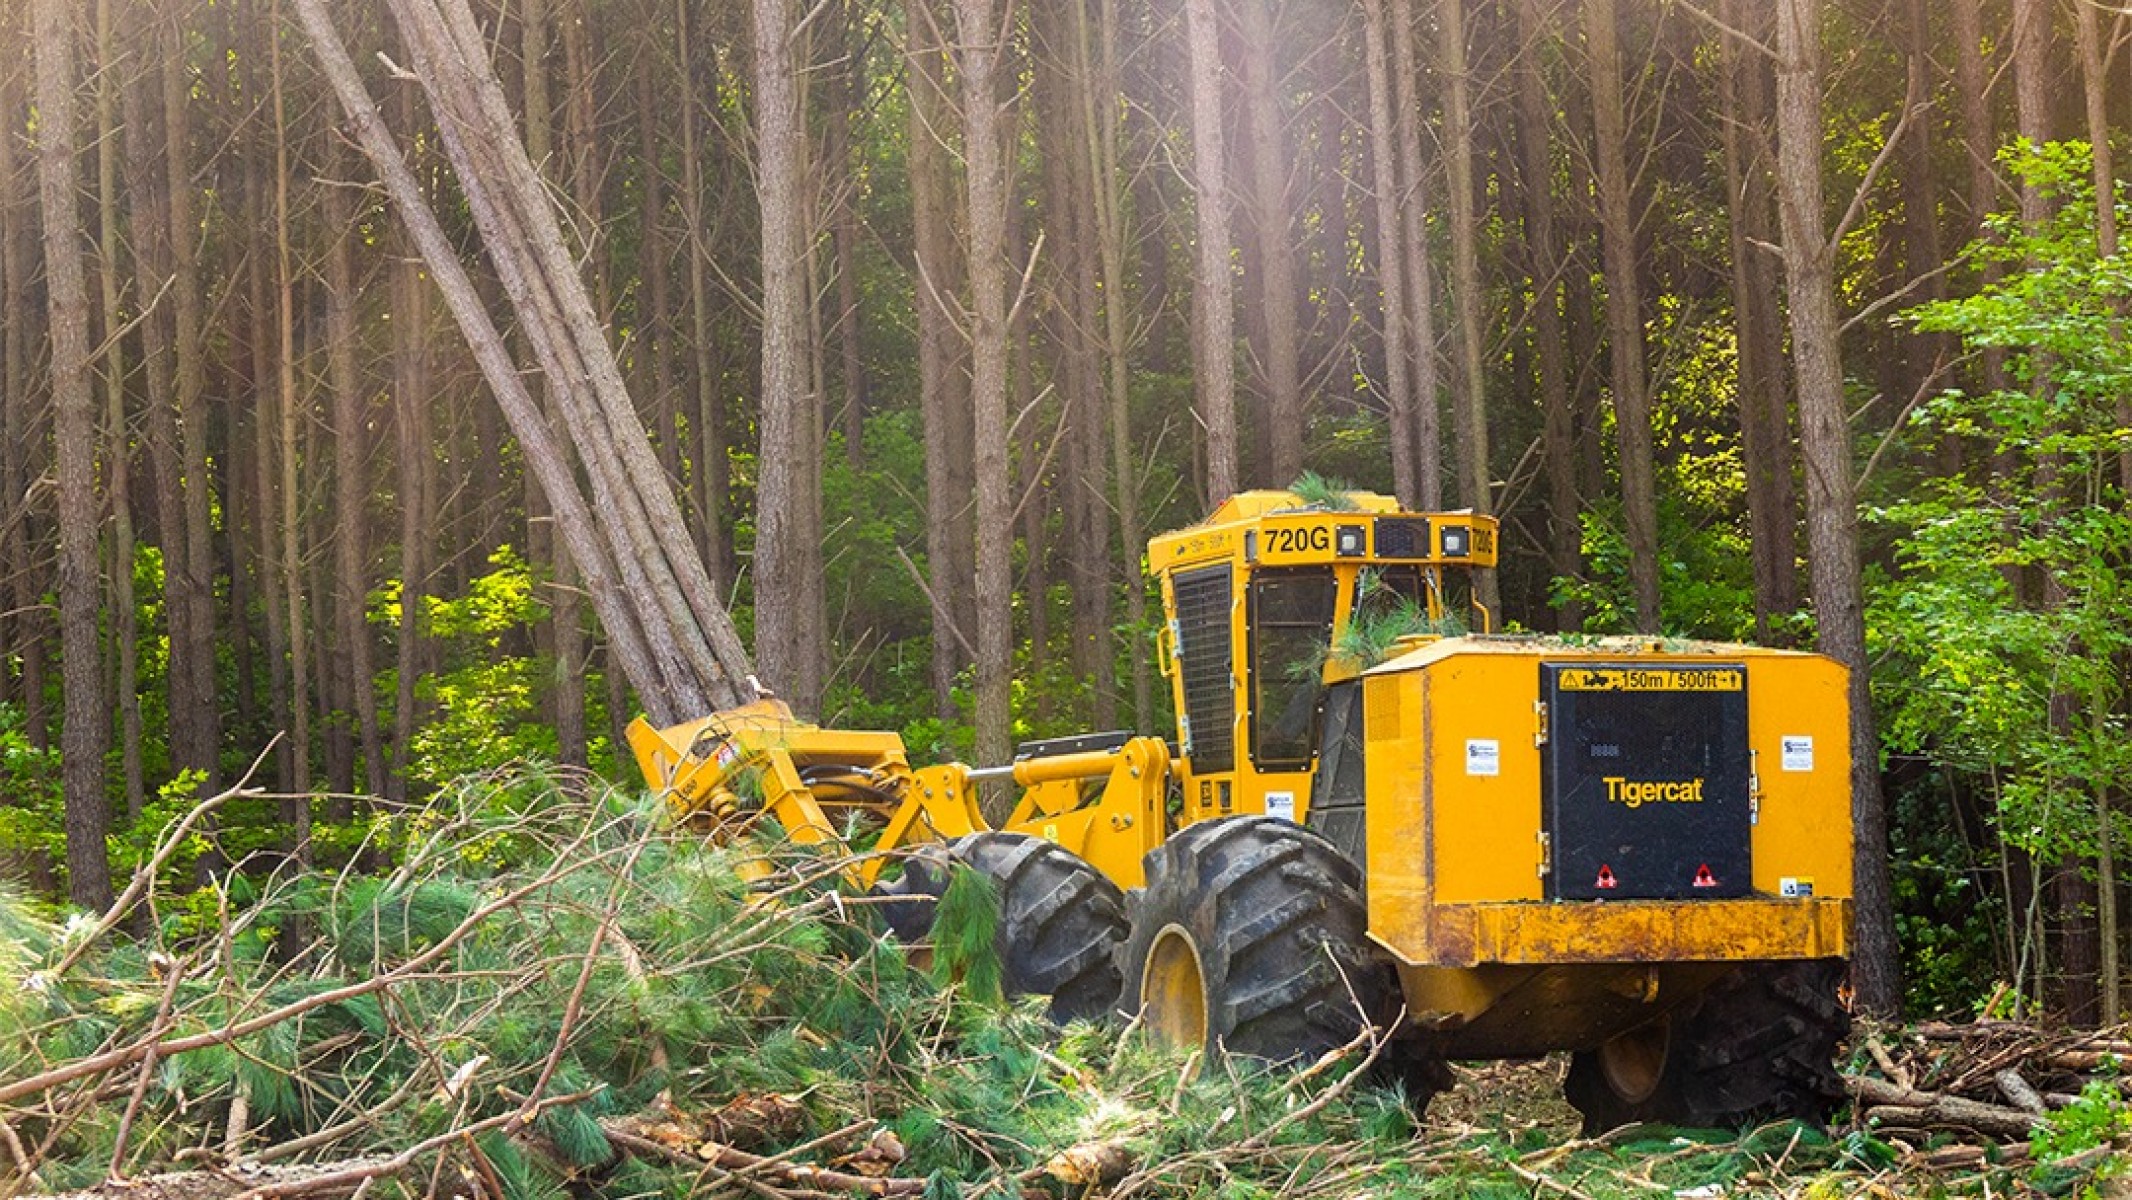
1291,634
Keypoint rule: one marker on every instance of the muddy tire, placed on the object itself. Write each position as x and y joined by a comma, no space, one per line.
1759,1046
1060,919
1250,938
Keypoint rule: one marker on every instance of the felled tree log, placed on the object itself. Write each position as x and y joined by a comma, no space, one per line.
321,1180
1909,1108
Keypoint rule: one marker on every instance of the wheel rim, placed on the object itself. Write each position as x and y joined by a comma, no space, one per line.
1634,1062
1173,991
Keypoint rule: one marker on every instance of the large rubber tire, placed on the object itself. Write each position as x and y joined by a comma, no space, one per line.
1264,921
1060,919
1759,1045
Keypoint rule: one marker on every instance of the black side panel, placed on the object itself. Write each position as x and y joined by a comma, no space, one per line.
1645,774
1336,789
1206,658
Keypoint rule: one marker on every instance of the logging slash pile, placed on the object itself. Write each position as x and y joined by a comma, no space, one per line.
542,993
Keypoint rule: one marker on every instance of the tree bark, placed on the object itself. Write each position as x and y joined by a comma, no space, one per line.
1624,311
1097,71
1546,266
86,730
1831,505
678,648
1213,287
192,618
1277,299
296,806
1470,413
1411,230
981,29
351,491
940,393
125,632
1400,400
1765,420
2095,94
708,471
788,561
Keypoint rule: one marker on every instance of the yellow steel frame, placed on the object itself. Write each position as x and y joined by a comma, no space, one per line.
726,774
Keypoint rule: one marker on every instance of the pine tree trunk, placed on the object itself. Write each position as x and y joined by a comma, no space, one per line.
1765,420
1213,286
981,28
1097,71
192,615
20,438
351,552
2095,94
841,157
1470,412
787,550
1391,262
1624,311
118,442
1411,230
939,392
1536,178
296,806
1277,299
86,730
1831,505
410,406
708,471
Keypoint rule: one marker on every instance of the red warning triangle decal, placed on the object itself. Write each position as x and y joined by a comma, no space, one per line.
1703,877
1606,877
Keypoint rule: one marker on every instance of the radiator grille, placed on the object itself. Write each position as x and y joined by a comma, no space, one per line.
1204,660
1402,537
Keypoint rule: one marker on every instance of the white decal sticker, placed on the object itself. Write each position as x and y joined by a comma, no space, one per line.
1794,887
1798,752
1484,756
1281,804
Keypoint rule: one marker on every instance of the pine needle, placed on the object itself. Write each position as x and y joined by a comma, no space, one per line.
965,929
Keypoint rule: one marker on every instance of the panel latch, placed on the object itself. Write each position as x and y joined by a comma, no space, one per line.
1539,718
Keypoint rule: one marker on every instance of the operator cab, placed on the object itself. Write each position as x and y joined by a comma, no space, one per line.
1265,597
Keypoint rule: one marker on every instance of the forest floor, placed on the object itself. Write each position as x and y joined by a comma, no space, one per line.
553,998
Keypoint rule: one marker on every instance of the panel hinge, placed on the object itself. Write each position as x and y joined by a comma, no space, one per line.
1539,719
1754,787
1547,854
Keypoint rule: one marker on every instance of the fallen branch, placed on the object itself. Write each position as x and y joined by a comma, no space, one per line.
728,1159
1911,1109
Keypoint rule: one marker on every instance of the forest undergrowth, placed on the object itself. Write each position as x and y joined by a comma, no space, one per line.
532,989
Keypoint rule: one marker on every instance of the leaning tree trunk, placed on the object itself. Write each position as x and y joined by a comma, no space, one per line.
676,645
86,730
1831,503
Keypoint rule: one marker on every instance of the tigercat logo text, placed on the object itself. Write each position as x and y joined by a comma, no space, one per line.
1635,793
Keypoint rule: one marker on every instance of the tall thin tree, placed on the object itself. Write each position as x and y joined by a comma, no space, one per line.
86,731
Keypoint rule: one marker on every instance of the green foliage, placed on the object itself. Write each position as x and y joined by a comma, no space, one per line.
1313,490
965,929
2099,1117
33,820
2001,626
